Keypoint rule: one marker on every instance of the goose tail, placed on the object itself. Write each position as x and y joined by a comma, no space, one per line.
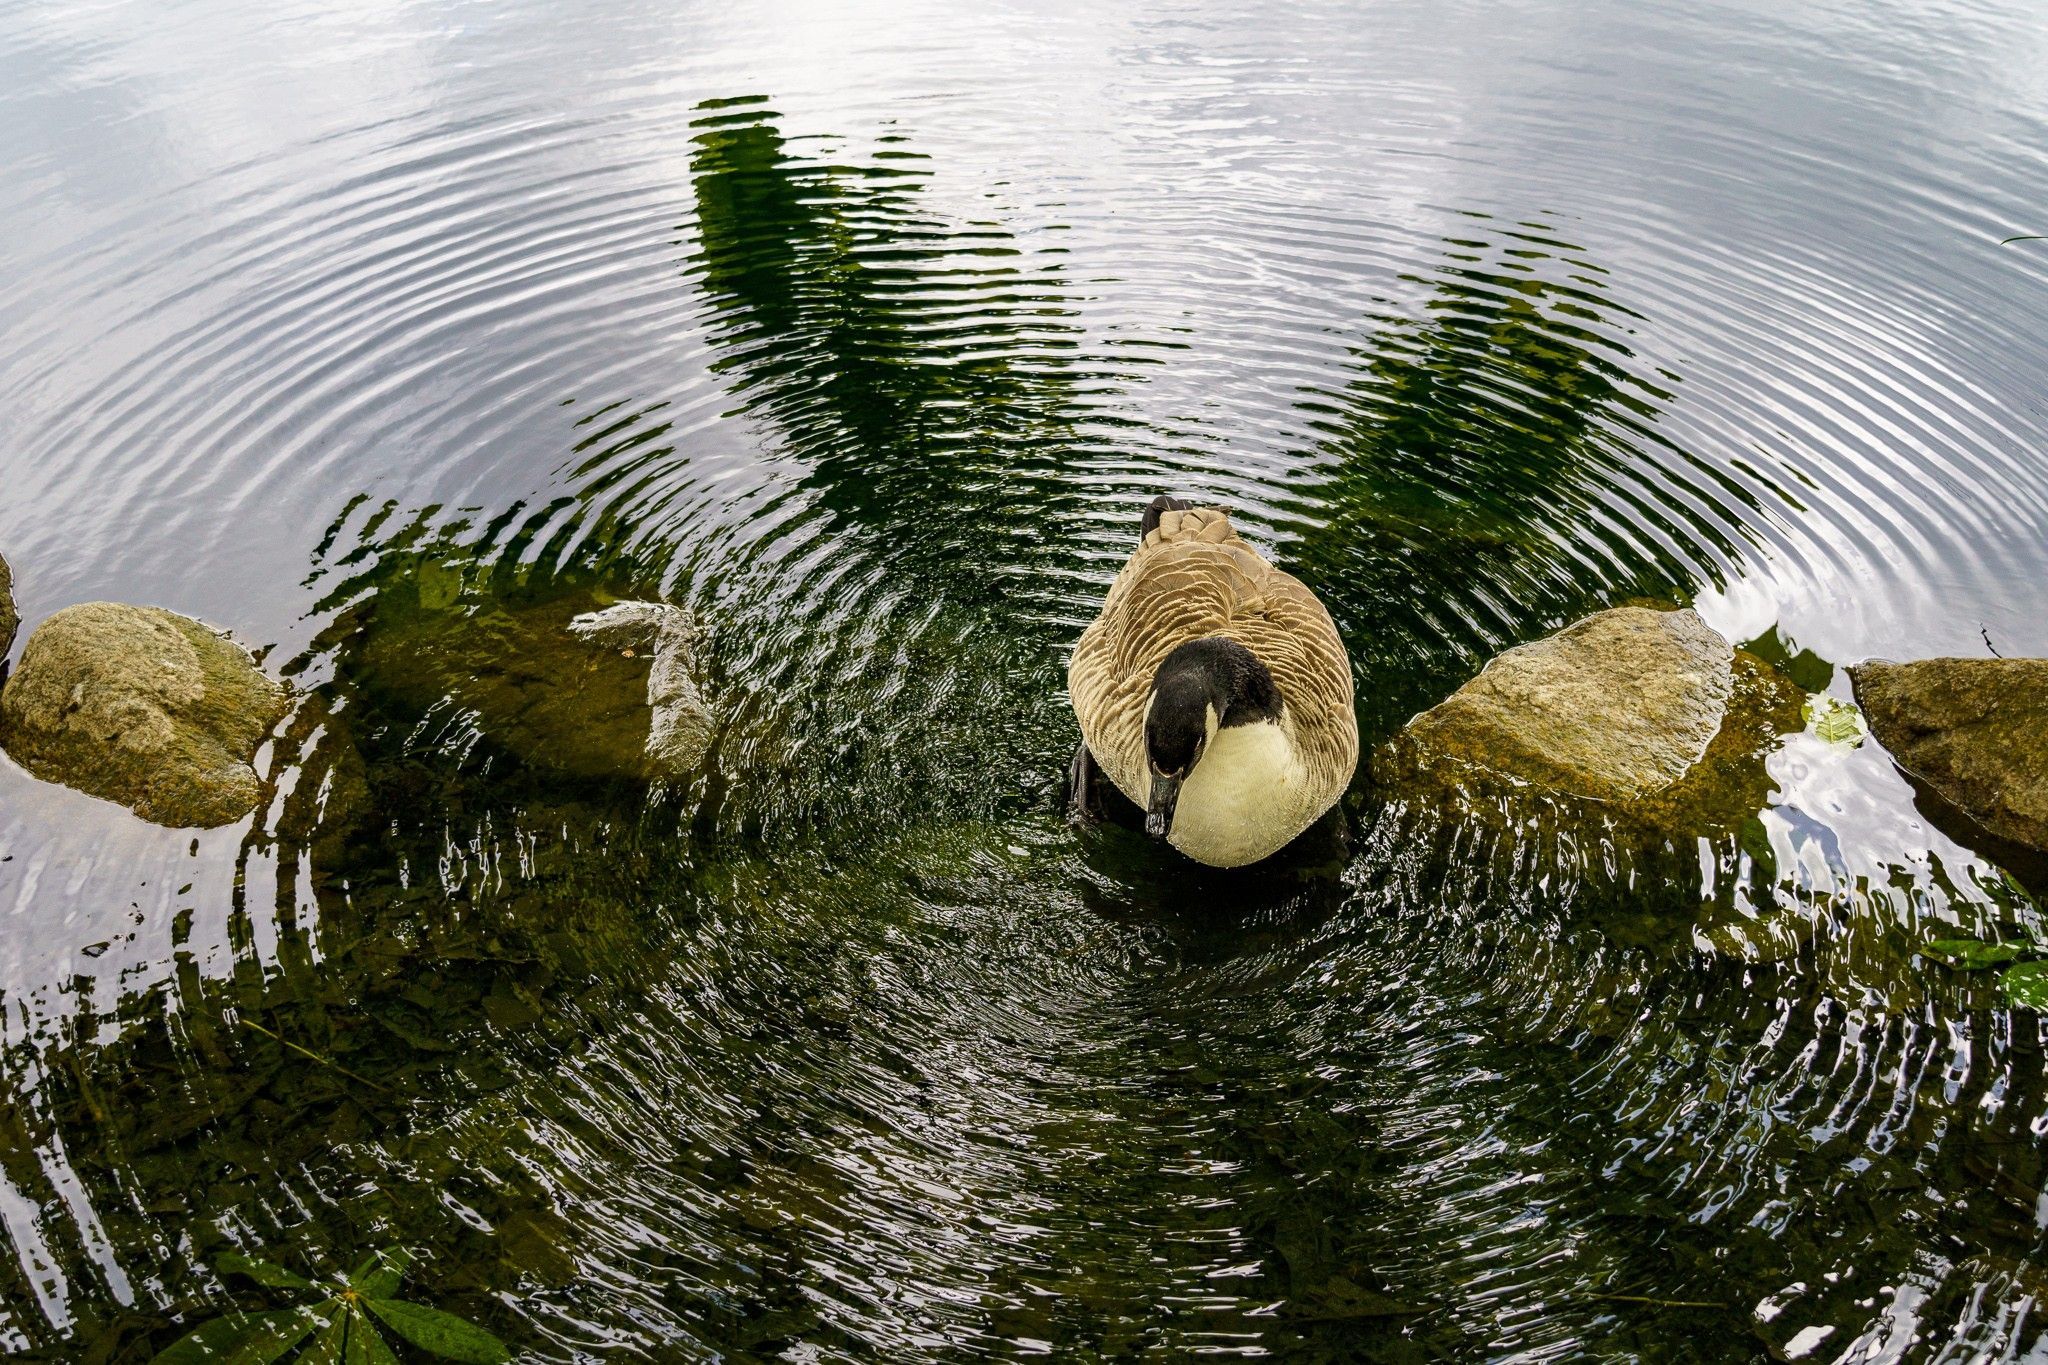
1158,508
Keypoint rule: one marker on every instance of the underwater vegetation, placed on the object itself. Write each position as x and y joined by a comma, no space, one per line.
845,1047
344,1322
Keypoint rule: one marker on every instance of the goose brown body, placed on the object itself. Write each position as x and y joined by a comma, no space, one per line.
1192,578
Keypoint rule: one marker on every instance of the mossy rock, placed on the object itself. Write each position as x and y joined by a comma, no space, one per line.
1730,782
1616,706
1648,718
1975,731
477,676
144,707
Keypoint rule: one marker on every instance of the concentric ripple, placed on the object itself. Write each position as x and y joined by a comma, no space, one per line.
394,339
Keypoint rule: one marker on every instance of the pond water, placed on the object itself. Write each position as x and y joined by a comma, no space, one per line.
865,332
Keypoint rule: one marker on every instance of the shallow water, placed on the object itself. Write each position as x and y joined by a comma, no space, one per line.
866,332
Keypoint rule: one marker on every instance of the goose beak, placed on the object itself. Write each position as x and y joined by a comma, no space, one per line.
1165,793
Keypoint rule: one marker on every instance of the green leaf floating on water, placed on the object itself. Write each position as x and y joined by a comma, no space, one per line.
328,1346
365,1345
349,1337
1835,721
444,1334
378,1276
2027,984
1969,955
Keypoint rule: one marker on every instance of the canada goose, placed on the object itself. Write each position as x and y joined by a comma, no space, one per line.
1214,693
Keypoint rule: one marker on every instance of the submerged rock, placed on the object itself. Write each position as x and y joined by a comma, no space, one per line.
1619,705
1975,731
679,727
553,684
9,619
141,706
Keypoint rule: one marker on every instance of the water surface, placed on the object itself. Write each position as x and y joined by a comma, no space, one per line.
866,331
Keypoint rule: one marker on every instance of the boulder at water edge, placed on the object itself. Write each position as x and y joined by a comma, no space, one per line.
141,706
1975,731
1616,706
1648,712
8,618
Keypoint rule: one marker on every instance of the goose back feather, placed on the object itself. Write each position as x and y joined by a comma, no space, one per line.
1192,577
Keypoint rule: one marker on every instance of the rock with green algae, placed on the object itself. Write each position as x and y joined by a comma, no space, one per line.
1613,707
1650,715
679,723
1973,730
144,707
9,618
557,683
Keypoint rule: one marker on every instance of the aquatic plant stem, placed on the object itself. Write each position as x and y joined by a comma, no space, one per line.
307,1052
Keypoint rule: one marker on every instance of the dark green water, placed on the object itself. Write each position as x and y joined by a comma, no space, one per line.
391,338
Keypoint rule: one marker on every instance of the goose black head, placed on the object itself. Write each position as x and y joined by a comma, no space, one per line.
1204,686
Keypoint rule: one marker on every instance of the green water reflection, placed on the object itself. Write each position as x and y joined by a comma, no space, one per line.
1492,470
848,1048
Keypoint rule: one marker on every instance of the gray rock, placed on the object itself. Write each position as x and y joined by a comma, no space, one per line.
1615,707
141,706
9,619
679,730
1973,730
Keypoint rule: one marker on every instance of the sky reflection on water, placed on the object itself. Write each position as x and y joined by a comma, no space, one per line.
865,332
